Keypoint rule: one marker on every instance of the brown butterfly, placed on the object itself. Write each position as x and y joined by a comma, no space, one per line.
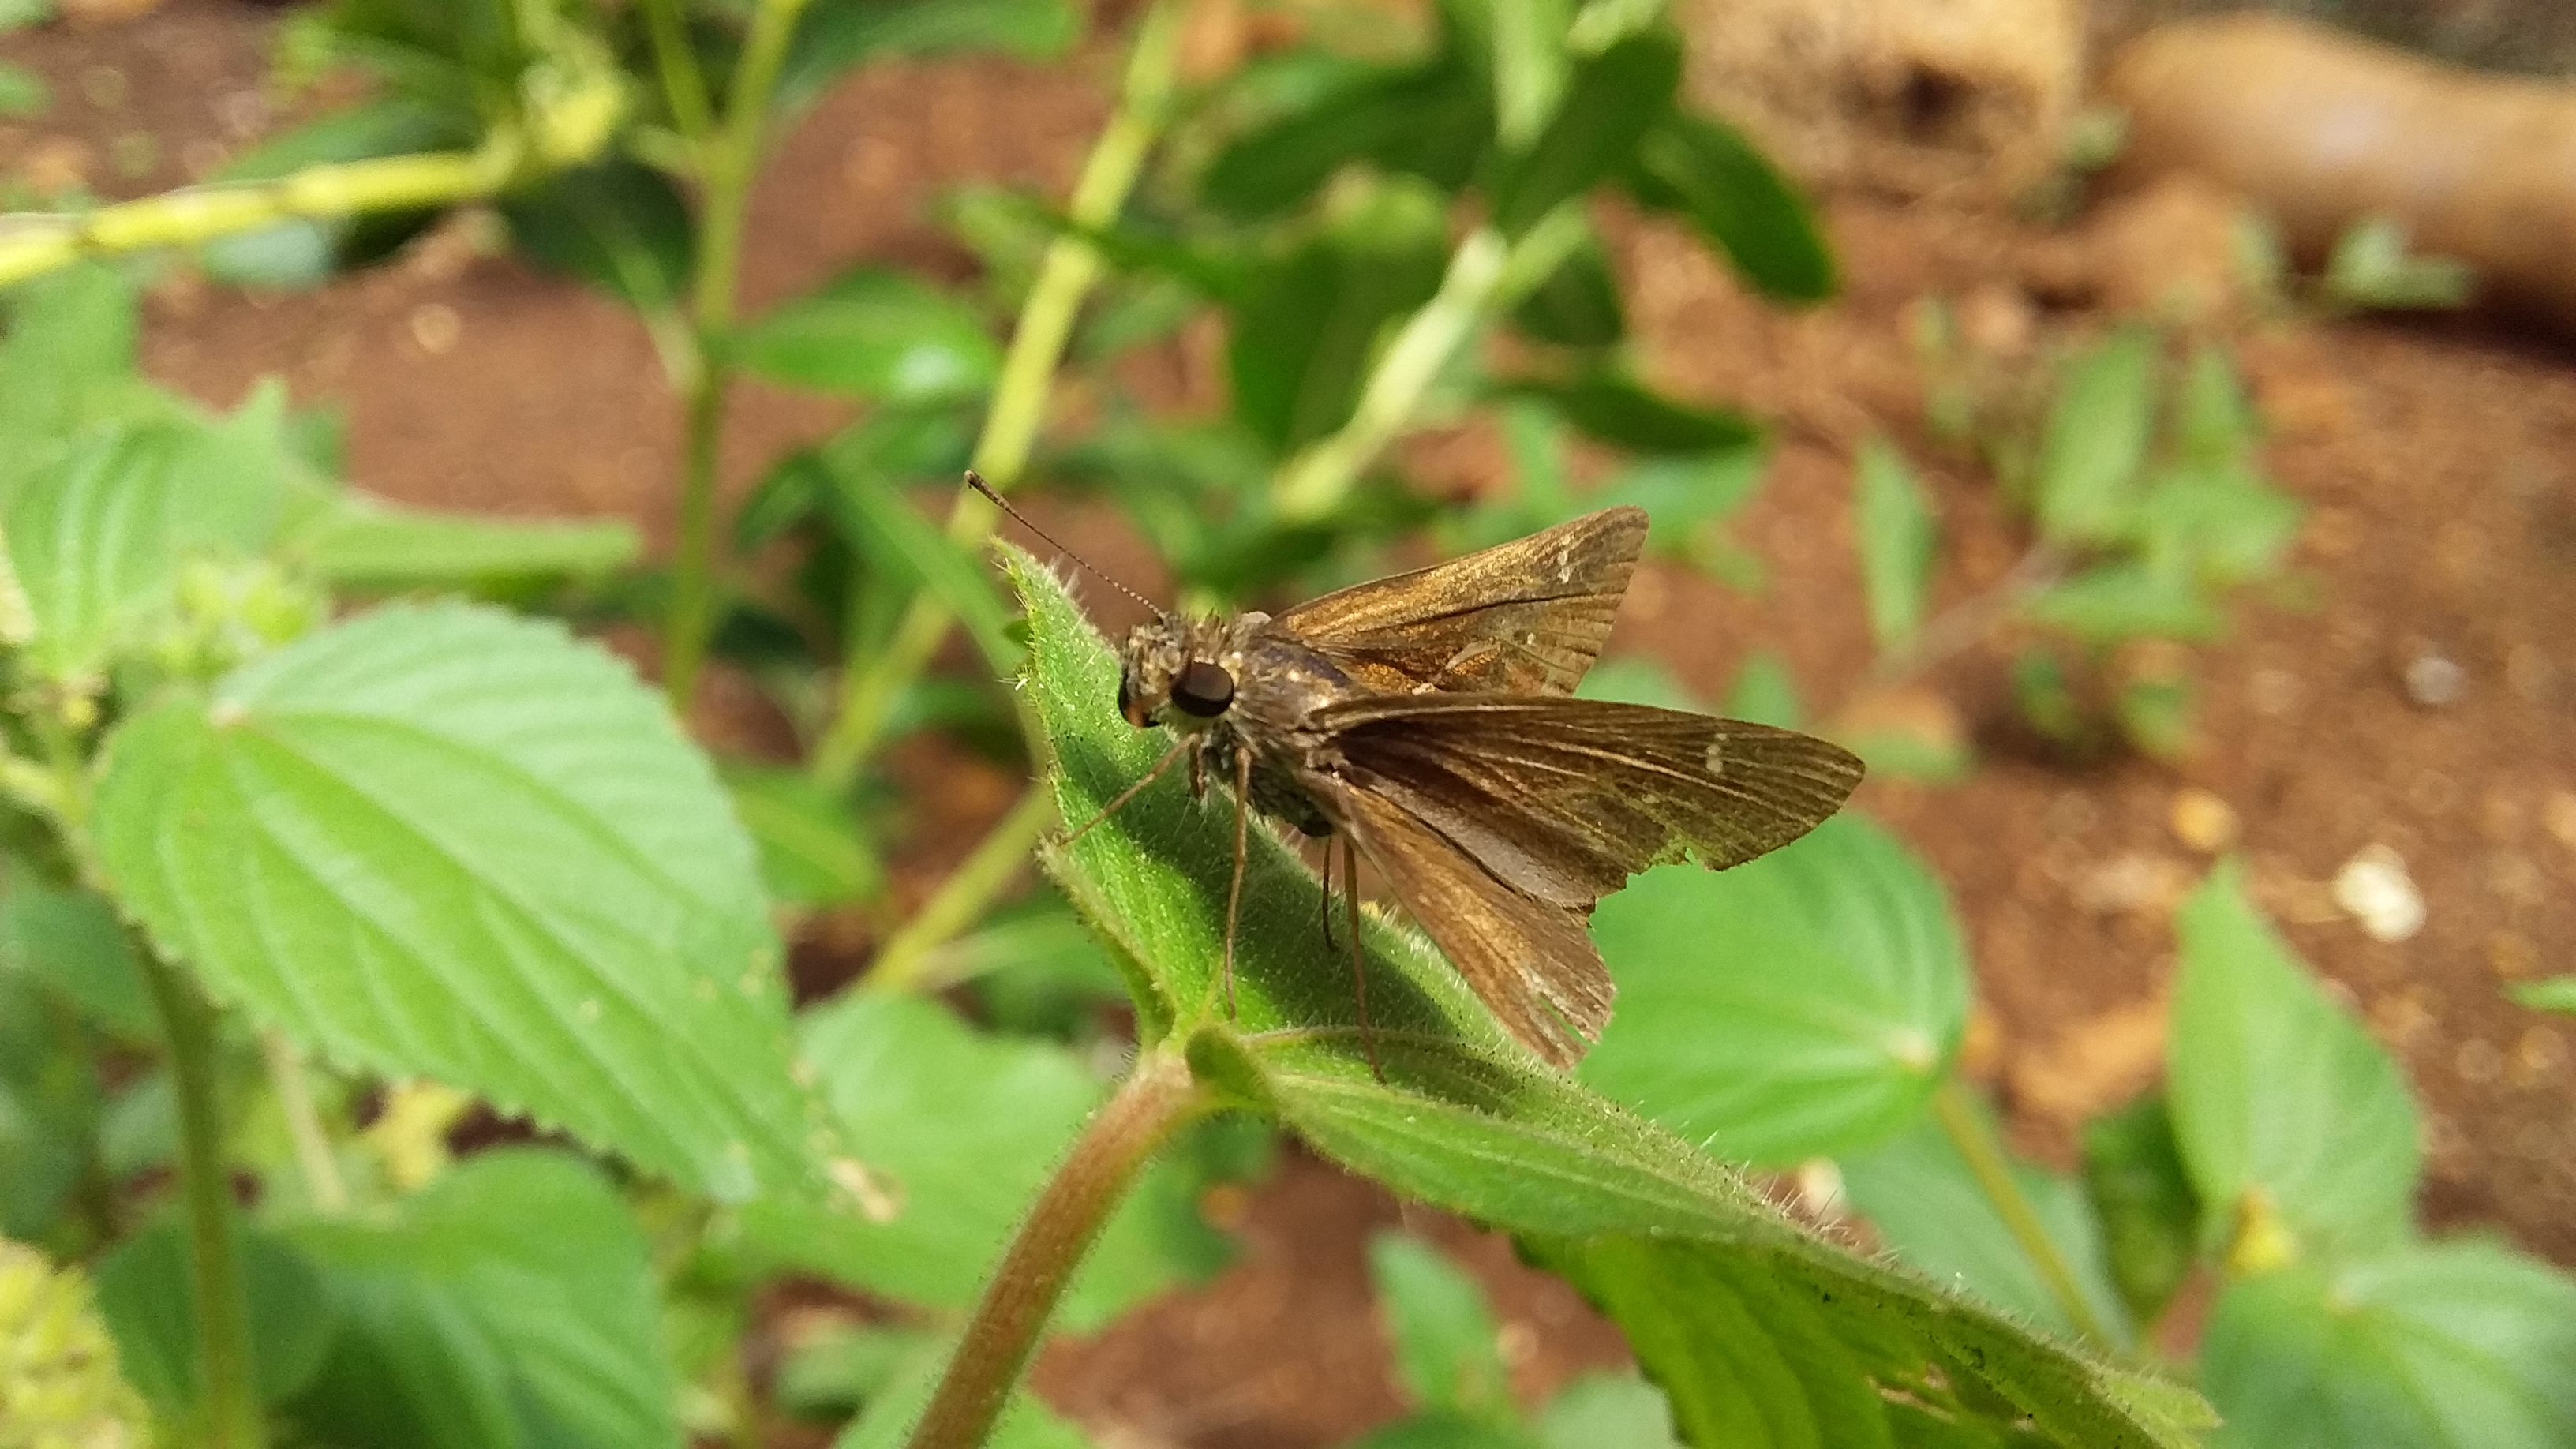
1425,721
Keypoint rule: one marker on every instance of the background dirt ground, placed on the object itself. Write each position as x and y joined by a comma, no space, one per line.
2438,459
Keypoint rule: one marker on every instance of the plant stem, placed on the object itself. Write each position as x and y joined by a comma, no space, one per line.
684,87
962,897
1969,1131
313,1155
32,244
228,1389
871,686
1486,276
729,162
1149,1106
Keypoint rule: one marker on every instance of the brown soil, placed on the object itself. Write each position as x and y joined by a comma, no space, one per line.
2439,460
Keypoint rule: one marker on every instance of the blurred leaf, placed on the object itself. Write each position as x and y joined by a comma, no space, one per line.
140,1130
1611,100
2114,602
2156,716
1898,538
2370,268
1746,1318
2289,1116
49,1107
1303,336
1430,121
147,1291
1636,679
2215,425
834,1373
1764,692
1622,412
23,93
1684,493
2558,993
1601,1410
1531,64
2096,439
1706,171
442,841
511,1302
1441,1329
1446,1429
358,542
2458,1345
890,533
304,253
2142,1197
1025,1423
98,536
2215,526
1928,1207
1578,305
1895,750
2045,698
890,447
1807,1002
951,1134
812,849
876,334
836,35
619,225
70,347
1036,969
70,940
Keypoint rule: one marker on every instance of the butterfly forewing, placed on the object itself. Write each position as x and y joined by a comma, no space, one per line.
1525,617
1533,964
1564,799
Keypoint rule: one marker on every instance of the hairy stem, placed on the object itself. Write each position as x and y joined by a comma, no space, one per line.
871,686
728,163
1969,1131
962,897
1487,276
227,1385
1149,1106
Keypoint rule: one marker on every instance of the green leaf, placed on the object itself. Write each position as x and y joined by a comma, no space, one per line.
2558,993
511,1302
443,841
1598,1410
832,1373
1927,1205
2371,268
812,851
2095,441
1624,413
1696,1265
1442,1330
2286,1111
620,226
877,334
1024,1423
1636,679
836,35
361,543
71,343
1431,121
147,1291
1304,332
1894,527
71,941
2113,602
2458,1345
950,1134
1803,1003
1445,1429
49,1108
887,530
1611,100
1764,692
97,537
1707,172
1578,305
2142,1197
23,93
2156,716
2047,699
304,253
2215,425
2216,526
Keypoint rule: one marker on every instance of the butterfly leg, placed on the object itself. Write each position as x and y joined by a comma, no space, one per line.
1359,966
1329,843
1234,892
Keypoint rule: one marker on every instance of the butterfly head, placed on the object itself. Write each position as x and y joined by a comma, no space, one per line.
1170,675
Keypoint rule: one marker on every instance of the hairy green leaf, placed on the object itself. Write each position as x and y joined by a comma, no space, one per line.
2285,1109
443,841
1807,1002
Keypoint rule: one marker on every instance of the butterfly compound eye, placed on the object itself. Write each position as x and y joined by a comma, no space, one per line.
1127,709
1203,690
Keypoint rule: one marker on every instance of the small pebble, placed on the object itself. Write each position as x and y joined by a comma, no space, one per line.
2203,821
2435,680
436,327
2374,889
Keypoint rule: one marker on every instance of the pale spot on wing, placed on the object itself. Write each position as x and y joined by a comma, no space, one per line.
1716,758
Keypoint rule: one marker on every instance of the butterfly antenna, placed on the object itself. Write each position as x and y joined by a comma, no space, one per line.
976,481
